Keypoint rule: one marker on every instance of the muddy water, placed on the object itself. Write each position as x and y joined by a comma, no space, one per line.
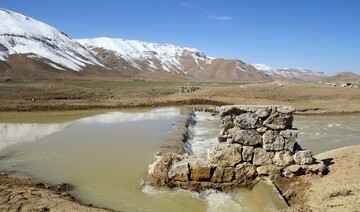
106,156
323,133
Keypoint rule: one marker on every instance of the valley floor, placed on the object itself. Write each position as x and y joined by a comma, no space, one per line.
74,95
336,191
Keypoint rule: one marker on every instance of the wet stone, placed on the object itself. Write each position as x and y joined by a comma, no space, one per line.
180,171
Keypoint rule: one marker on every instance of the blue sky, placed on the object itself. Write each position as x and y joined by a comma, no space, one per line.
323,35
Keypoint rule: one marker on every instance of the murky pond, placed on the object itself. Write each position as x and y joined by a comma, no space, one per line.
106,157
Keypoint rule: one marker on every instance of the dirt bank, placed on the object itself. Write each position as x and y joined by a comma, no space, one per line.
339,190
18,194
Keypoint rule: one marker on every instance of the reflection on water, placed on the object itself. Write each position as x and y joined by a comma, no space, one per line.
323,133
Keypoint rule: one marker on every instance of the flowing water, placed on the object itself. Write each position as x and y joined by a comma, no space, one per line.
106,157
324,133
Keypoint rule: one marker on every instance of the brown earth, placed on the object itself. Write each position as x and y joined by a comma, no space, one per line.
339,190
18,194
306,98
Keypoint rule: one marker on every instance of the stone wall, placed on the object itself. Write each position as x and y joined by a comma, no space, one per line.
188,89
254,142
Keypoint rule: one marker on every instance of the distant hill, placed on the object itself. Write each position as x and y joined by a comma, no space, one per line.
292,74
344,77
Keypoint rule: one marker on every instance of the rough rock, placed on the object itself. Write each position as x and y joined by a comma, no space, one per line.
228,174
303,157
158,170
200,170
247,153
227,123
247,121
217,176
245,172
268,170
263,112
283,158
290,137
223,174
279,121
180,171
261,157
248,137
285,109
293,170
273,141
227,154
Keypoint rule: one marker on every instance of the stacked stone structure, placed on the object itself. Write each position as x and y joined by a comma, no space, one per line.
254,142
188,89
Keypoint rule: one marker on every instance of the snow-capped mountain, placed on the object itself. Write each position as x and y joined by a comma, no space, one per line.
21,35
145,55
138,56
292,74
33,49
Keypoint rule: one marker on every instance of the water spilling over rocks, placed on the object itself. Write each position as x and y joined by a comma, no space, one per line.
254,142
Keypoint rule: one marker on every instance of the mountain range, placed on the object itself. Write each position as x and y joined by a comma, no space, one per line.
30,49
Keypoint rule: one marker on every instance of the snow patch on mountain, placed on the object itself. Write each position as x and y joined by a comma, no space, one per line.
291,73
262,67
23,35
168,56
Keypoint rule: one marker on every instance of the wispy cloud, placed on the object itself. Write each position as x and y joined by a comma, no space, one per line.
188,5
208,14
221,18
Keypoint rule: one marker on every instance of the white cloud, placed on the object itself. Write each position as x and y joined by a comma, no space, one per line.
220,18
